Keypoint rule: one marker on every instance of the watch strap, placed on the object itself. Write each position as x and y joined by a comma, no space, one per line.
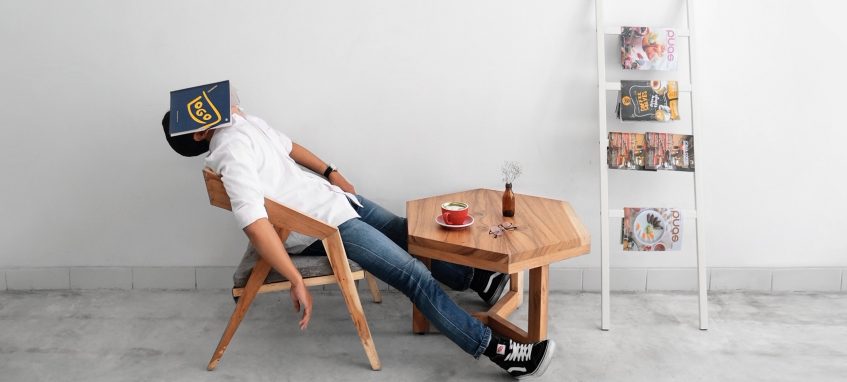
329,170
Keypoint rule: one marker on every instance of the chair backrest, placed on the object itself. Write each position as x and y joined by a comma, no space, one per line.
280,216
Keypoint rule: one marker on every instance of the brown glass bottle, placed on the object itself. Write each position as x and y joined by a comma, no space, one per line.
508,201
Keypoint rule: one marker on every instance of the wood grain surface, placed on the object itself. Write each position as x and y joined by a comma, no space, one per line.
548,231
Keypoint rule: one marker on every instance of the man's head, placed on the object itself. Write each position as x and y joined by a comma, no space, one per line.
189,145
192,145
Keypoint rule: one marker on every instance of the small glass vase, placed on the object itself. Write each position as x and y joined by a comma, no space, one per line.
508,201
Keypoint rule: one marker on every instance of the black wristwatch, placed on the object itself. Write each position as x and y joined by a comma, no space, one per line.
329,170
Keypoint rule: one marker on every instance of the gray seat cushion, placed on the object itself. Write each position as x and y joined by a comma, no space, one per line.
309,266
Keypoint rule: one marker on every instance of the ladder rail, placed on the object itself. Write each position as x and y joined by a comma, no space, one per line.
605,304
702,277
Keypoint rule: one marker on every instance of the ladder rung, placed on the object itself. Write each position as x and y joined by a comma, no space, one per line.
685,88
617,30
688,214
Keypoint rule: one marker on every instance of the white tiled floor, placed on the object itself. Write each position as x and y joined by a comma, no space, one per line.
97,277
163,278
728,279
789,280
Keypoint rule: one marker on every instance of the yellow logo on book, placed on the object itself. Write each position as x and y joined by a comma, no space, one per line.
197,111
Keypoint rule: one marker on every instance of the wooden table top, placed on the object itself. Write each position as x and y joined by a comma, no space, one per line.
548,231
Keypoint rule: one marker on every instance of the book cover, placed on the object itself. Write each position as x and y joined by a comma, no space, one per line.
626,151
200,108
645,48
673,152
648,101
652,229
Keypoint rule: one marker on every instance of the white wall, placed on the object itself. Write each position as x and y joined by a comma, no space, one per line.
378,87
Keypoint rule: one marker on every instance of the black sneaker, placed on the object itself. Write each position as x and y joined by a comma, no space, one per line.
491,286
524,360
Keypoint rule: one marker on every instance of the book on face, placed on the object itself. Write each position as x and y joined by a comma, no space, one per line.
200,108
652,229
646,48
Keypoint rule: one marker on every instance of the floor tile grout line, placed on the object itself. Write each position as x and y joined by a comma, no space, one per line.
582,284
807,282
771,281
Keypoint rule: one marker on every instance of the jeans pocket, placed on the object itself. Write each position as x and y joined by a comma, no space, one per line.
358,207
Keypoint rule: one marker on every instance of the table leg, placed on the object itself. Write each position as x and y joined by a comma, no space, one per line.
538,278
516,285
420,325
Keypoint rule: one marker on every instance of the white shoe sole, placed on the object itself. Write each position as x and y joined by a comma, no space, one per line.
545,361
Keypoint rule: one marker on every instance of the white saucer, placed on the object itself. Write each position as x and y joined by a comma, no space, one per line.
440,220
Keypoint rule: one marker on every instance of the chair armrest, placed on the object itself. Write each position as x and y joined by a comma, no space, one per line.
279,215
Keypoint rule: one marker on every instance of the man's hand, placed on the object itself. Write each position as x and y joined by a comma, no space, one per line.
267,243
337,179
300,296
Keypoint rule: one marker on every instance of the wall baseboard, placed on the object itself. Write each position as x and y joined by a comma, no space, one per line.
823,279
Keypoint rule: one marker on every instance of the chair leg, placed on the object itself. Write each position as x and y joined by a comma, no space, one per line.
341,269
257,278
372,285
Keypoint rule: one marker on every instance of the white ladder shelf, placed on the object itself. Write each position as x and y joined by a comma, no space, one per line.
605,213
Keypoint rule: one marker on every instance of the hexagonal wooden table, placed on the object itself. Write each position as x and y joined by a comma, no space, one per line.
548,231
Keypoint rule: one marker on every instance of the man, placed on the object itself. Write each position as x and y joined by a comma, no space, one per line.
256,161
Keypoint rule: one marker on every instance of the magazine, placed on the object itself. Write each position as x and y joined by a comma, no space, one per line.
645,48
199,108
664,151
626,151
648,101
652,229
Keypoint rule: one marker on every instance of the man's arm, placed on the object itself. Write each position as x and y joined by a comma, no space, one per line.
234,159
305,158
270,248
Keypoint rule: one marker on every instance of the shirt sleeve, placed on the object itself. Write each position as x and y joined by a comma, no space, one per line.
233,159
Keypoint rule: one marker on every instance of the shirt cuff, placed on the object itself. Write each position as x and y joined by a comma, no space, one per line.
247,214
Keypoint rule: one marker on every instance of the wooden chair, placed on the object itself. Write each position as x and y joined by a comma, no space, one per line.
261,280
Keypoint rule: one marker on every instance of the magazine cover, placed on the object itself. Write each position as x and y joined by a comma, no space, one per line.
645,48
626,151
652,229
199,108
673,152
648,101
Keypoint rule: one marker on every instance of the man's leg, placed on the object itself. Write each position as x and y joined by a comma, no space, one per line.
386,260
390,263
456,277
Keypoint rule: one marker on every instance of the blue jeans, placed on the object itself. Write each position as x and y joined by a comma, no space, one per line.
378,242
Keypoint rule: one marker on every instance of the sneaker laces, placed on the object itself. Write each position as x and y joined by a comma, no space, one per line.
520,352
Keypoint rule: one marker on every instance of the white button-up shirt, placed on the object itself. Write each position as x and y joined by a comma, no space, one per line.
254,162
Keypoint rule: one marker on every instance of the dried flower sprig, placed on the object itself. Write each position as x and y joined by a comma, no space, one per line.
511,171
